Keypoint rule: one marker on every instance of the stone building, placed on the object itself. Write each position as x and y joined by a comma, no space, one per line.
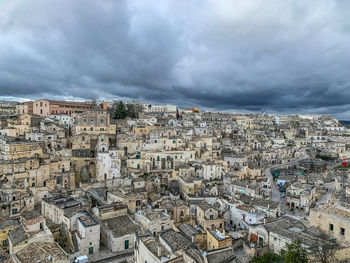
92,122
155,220
334,220
118,231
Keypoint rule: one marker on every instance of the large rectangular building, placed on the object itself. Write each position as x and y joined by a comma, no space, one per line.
46,108
92,122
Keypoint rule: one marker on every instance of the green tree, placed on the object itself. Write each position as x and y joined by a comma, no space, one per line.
134,110
295,253
268,258
120,111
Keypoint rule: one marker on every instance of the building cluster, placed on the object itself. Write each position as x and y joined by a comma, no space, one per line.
172,185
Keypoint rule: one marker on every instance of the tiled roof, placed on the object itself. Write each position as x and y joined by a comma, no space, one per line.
121,226
175,240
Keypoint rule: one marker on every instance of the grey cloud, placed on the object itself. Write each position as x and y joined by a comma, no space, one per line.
285,56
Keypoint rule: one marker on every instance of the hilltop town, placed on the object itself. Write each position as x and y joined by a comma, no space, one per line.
102,181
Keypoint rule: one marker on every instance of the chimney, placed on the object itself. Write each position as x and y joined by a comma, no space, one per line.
159,252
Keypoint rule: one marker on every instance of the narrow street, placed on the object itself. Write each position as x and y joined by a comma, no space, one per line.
275,193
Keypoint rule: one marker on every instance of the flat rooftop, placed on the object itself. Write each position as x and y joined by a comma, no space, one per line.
87,220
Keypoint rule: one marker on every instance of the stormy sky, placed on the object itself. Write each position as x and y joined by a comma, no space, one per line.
283,56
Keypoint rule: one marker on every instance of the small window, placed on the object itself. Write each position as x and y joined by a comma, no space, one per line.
126,244
331,227
102,120
342,231
84,120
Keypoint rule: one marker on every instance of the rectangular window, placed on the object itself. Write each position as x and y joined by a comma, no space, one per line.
342,231
126,244
331,227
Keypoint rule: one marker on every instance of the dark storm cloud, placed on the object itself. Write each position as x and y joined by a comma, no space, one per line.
286,56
